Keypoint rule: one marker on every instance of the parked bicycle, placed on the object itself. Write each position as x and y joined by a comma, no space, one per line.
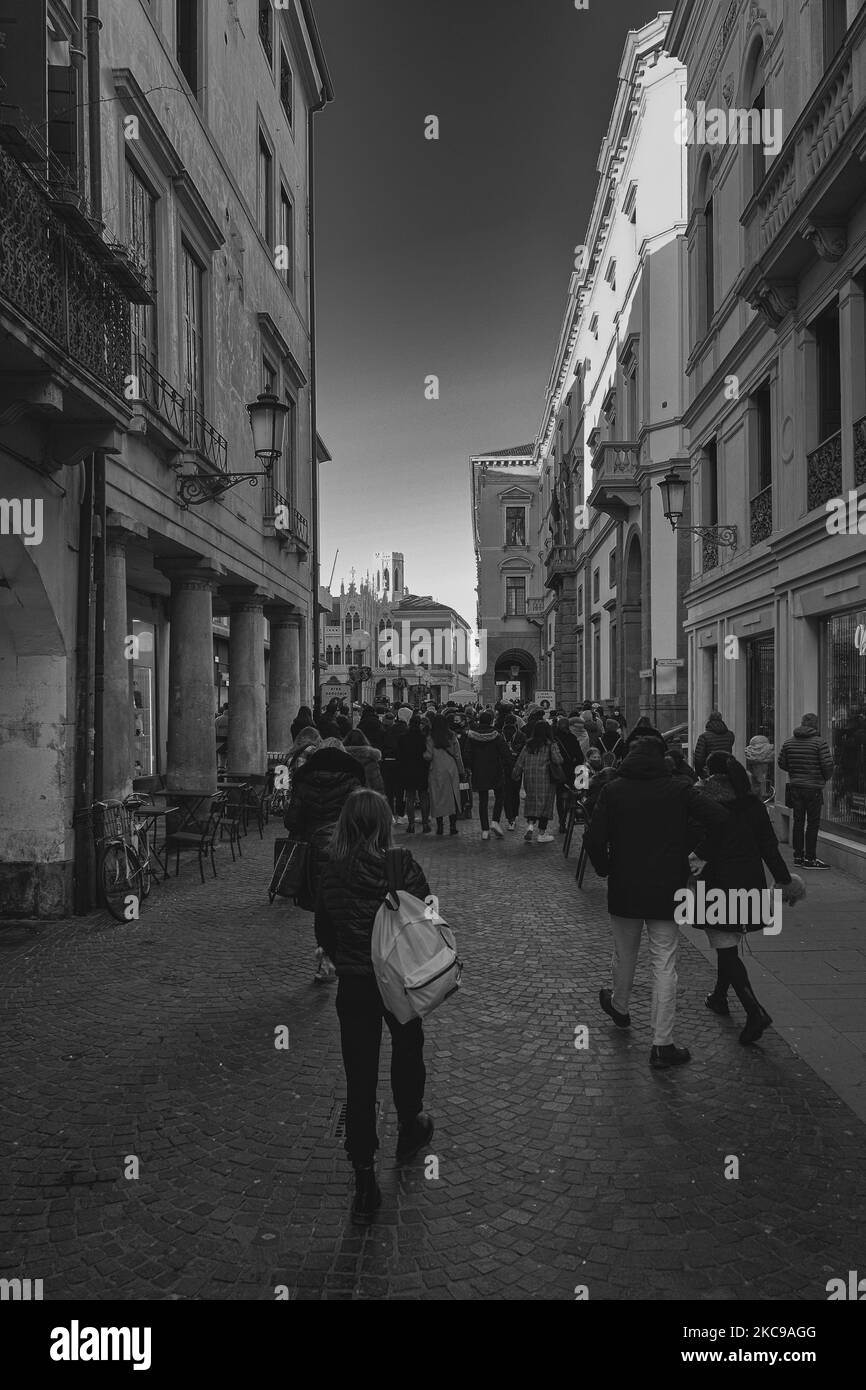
124,858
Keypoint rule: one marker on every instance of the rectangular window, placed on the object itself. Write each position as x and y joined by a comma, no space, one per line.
287,234
62,118
515,596
596,585
829,374
596,661
580,666
709,263
612,662
611,570
515,526
265,190
141,235
763,468
266,28
759,158
835,28
710,485
287,83
633,421
290,451
186,38
193,336
579,602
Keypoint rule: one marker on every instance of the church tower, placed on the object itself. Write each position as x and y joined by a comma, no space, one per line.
388,576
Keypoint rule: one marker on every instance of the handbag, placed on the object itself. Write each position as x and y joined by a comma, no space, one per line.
290,868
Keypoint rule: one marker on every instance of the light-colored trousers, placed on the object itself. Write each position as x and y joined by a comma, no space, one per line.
664,941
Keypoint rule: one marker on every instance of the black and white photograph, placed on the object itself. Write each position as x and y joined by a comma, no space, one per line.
432,670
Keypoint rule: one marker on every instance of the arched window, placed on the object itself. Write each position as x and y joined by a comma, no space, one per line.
378,580
396,581
329,655
384,623
348,622
705,266
356,621
338,660
350,660
387,578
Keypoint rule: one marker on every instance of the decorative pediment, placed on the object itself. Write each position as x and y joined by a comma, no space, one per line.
516,566
515,494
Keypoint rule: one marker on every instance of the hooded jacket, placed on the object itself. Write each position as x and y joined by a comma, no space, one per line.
320,789
371,765
350,893
806,758
716,738
737,850
639,837
486,757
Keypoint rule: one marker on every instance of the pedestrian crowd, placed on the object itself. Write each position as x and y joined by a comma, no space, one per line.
660,830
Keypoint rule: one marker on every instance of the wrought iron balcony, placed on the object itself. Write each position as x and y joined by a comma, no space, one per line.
860,453
614,477
709,554
208,443
301,528
801,207
298,526
168,403
57,284
824,472
761,515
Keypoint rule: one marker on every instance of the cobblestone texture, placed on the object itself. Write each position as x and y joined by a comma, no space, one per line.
558,1167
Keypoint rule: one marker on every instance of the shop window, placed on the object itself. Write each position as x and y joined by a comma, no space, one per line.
844,719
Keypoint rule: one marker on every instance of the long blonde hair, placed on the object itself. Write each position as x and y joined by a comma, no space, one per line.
365,823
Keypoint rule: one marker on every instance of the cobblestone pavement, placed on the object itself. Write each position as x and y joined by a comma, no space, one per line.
557,1167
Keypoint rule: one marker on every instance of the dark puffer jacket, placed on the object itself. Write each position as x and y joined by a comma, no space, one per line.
320,790
737,850
806,758
639,836
413,767
716,738
486,757
350,894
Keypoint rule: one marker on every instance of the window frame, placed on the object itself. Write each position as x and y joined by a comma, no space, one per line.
515,584
517,507
265,151
285,65
287,201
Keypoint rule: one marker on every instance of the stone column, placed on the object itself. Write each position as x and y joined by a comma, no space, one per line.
284,685
247,748
118,653
191,725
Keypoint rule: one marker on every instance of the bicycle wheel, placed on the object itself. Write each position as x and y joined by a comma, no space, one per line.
142,849
118,877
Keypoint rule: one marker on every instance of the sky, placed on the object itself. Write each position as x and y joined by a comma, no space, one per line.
447,257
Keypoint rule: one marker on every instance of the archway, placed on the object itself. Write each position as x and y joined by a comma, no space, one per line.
515,666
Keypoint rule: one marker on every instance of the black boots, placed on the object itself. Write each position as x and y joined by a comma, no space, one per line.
605,998
368,1198
717,1003
757,1019
669,1056
414,1137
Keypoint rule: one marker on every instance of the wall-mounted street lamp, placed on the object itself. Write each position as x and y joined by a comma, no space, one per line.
268,424
673,490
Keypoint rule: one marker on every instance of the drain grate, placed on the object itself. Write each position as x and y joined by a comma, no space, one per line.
337,1119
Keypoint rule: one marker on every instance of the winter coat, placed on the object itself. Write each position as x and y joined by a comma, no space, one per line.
486,757
540,787
371,762
350,893
319,791
572,753
392,737
371,727
737,850
413,768
447,771
639,837
716,738
806,758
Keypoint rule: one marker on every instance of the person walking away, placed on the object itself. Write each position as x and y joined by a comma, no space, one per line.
760,756
446,773
222,736
716,738
371,727
678,765
534,764
807,759
304,746
572,757
413,773
327,722
735,854
319,792
393,731
611,743
358,747
351,889
638,838
302,720
486,757
513,740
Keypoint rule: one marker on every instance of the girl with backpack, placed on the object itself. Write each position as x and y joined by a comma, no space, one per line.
540,765
612,743
352,887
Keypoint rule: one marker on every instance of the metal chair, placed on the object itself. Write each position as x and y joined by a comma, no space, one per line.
200,836
234,799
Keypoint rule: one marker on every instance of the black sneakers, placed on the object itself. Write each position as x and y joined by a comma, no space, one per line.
814,864
669,1056
799,861
717,1005
621,1020
368,1198
414,1137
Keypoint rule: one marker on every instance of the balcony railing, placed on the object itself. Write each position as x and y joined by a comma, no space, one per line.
209,443
860,453
761,515
161,396
301,527
614,457
50,277
534,607
824,472
709,554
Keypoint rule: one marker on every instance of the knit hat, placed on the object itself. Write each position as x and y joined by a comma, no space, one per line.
811,720
404,714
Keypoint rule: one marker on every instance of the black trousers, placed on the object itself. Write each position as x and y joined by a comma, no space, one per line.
484,806
511,799
808,804
361,1011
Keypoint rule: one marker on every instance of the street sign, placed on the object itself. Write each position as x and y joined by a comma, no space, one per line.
332,690
669,661
646,675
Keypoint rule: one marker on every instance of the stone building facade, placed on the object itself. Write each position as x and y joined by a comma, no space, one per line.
777,385
157,278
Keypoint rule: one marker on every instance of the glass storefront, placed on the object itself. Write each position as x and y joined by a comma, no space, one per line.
144,713
760,688
843,719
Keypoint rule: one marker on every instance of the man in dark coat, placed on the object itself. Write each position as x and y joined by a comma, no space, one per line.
716,738
319,791
638,838
572,757
393,731
485,757
807,759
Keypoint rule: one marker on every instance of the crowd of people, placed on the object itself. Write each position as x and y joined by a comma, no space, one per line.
654,825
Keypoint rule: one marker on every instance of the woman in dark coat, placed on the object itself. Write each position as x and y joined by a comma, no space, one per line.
485,758
358,747
413,771
513,741
303,720
572,757
319,791
735,854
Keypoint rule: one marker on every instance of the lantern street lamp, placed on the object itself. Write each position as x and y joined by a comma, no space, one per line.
673,490
268,424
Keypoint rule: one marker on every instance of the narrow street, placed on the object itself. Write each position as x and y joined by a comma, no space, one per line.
558,1167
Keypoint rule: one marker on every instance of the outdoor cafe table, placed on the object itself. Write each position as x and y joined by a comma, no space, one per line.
190,805
152,814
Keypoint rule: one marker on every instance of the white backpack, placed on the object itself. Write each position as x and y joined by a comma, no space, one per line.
414,952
